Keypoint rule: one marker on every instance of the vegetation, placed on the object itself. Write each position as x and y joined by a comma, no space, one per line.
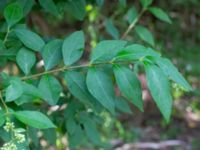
72,68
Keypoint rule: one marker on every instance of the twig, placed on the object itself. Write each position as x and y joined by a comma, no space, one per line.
133,24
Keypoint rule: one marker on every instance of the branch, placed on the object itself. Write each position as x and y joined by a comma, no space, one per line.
72,68
133,24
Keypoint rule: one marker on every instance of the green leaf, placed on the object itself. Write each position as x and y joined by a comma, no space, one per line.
131,14
91,130
145,35
50,136
111,29
49,6
122,105
2,46
73,47
129,85
106,50
76,83
146,3
159,87
76,8
34,119
52,54
171,71
77,86
14,90
13,13
25,59
26,5
122,3
71,125
30,89
30,39
100,2
77,138
160,14
101,87
135,52
2,117
50,89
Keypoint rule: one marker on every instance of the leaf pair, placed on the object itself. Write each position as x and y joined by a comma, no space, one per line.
70,50
159,86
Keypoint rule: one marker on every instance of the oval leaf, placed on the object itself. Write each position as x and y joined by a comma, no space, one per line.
34,119
76,8
30,39
159,87
100,86
73,47
145,35
171,71
52,54
129,85
106,50
160,14
13,13
25,59
14,90
50,89
111,29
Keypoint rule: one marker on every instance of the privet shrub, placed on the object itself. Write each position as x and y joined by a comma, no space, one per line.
80,92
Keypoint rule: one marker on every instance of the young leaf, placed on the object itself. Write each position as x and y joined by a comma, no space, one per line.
106,50
73,47
136,52
30,39
146,3
129,85
100,86
159,87
171,71
111,29
34,119
52,54
49,6
50,89
145,35
160,14
76,8
14,90
13,13
26,5
25,59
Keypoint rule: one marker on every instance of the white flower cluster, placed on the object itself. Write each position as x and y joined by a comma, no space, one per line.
18,137
9,126
9,146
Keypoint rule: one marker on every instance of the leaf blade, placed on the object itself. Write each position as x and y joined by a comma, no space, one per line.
34,119
30,39
73,46
158,85
129,85
25,59
100,86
